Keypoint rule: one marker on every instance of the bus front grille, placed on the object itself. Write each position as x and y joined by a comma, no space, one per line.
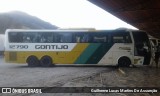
12,56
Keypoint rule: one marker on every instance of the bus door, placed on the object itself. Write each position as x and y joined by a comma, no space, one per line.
142,46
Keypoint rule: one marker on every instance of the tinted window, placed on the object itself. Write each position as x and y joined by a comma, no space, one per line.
99,37
62,37
140,37
121,37
90,37
15,37
69,37
81,37
30,37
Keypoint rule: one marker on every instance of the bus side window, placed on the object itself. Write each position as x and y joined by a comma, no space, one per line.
128,39
43,39
78,39
15,37
121,37
100,39
29,37
64,37
118,39
85,38
56,38
37,38
26,39
81,37
46,38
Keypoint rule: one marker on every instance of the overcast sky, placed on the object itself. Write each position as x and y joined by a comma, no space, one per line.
66,13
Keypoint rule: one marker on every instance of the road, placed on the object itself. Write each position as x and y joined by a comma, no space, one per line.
15,75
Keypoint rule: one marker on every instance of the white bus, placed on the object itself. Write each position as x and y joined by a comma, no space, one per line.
101,47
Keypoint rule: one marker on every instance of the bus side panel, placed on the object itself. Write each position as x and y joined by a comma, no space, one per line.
123,50
99,53
15,57
58,57
115,52
87,54
70,57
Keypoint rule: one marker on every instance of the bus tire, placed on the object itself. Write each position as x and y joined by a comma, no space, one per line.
32,61
46,61
124,62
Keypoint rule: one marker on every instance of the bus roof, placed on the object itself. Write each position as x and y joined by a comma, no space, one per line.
68,30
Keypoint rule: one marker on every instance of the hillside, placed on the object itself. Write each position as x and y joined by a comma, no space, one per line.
20,20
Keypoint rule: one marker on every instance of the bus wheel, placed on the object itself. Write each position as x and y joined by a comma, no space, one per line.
46,61
124,62
32,61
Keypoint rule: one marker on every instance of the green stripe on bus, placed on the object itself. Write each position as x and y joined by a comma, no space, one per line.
99,53
87,53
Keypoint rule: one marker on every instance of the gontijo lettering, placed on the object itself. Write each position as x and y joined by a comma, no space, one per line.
51,46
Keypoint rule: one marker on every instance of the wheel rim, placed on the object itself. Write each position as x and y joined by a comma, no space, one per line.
124,62
46,61
32,61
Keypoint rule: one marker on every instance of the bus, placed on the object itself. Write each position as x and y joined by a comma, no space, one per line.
67,47
155,42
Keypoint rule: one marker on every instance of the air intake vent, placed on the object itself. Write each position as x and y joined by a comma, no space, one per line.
12,56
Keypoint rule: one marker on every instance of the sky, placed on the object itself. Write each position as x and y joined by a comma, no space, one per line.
66,13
